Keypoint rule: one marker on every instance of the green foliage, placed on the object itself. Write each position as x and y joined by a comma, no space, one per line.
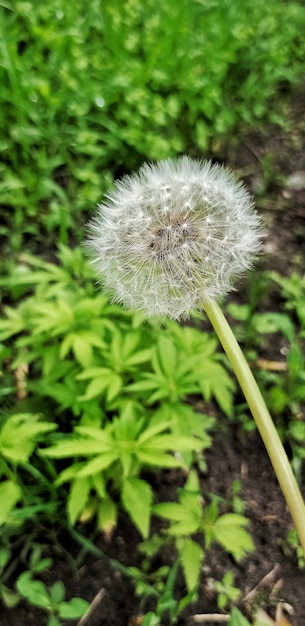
189,516
105,397
237,619
51,600
34,590
161,586
226,592
93,91
114,389
119,451
19,435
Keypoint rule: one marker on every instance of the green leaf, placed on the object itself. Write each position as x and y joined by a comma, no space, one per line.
8,597
107,516
69,473
229,531
186,521
191,556
33,590
237,619
171,442
57,592
151,457
137,498
75,447
107,380
151,619
98,464
73,609
19,434
152,430
10,494
215,381
96,433
98,483
82,350
167,357
5,555
78,497
139,357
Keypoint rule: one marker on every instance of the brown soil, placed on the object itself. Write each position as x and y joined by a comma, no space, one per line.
273,164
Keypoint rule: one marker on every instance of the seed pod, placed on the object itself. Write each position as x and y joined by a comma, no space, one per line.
173,236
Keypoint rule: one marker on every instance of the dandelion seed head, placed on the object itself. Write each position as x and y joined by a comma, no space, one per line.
173,236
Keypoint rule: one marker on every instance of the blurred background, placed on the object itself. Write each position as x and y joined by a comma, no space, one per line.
90,91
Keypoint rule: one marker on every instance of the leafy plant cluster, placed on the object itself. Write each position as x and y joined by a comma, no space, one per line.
101,88
94,401
34,590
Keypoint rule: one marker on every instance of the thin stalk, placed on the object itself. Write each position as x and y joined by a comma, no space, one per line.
262,418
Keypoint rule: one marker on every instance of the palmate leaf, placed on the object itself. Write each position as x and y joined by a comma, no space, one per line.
214,381
186,516
228,530
14,323
81,342
103,380
137,499
19,436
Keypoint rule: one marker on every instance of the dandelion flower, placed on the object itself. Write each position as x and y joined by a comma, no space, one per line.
174,236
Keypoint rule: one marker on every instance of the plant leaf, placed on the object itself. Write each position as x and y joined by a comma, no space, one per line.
10,493
78,497
137,498
229,531
191,556
73,609
33,590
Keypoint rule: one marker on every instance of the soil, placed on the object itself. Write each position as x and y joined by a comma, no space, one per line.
272,162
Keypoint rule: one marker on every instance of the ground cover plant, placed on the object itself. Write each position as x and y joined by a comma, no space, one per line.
112,429
102,89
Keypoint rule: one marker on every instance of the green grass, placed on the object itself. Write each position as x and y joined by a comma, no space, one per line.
90,91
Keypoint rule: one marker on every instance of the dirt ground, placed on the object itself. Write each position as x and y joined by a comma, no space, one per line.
273,165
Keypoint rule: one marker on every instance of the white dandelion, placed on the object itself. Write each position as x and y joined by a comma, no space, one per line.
174,236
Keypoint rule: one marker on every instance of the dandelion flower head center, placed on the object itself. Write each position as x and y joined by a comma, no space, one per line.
173,236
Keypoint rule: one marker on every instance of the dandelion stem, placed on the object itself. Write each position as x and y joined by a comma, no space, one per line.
262,418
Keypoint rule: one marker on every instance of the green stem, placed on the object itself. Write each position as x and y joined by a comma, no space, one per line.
262,418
